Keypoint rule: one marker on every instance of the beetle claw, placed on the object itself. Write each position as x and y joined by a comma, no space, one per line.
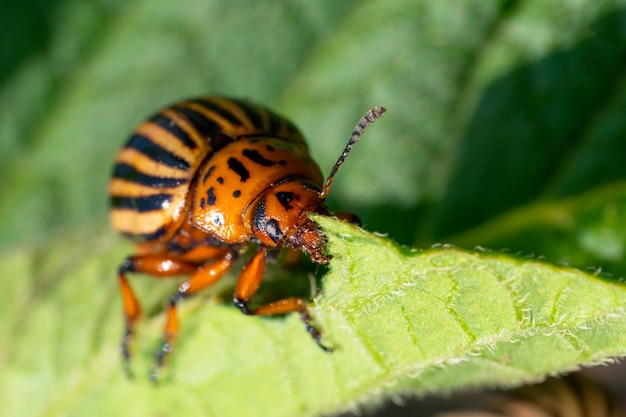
164,350
127,339
315,334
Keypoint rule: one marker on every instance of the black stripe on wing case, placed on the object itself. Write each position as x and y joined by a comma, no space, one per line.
219,140
253,113
215,108
153,151
274,122
147,237
130,173
170,125
142,204
200,122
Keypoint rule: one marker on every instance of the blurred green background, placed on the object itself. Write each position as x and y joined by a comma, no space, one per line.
505,129
494,108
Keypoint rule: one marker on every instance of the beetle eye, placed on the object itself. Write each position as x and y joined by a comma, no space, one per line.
273,231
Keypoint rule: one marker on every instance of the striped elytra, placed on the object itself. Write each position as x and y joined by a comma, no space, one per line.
202,181
154,173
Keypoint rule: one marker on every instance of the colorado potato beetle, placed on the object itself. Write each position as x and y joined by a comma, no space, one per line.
202,181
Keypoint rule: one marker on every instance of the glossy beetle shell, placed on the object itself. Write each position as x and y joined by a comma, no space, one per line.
203,161
200,182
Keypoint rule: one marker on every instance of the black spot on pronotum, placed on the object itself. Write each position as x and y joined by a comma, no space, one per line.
270,148
237,193
284,198
235,165
255,156
282,162
208,174
202,203
220,180
211,198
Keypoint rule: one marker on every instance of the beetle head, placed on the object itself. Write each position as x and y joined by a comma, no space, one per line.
281,214
281,218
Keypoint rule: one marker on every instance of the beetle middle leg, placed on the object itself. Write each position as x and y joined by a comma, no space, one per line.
247,286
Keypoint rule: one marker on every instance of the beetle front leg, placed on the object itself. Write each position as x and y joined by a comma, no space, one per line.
248,284
291,305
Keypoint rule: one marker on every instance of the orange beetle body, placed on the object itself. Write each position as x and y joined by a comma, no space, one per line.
200,181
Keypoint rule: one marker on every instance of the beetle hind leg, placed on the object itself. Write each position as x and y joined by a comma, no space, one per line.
132,311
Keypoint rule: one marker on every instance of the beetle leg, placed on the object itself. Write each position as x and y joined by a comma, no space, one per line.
249,282
159,266
250,279
203,277
162,266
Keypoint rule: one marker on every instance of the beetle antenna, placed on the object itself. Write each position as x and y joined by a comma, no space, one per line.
366,121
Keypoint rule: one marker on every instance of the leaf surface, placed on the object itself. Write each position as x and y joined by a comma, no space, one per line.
505,131
400,321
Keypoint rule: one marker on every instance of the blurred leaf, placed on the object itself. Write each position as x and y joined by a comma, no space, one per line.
544,126
401,321
586,230
65,114
504,130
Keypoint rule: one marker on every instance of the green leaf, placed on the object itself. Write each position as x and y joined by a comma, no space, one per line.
505,131
436,320
541,125
587,230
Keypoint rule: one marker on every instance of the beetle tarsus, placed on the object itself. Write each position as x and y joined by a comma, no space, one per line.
312,330
163,351
127,339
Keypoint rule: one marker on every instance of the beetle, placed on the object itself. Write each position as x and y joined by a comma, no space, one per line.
201,182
